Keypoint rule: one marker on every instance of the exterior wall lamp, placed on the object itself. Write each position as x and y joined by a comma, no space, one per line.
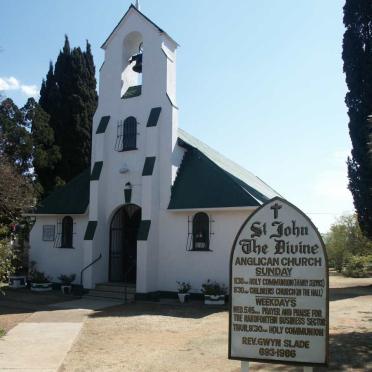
128,192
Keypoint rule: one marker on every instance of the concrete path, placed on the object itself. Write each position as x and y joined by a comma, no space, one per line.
41,342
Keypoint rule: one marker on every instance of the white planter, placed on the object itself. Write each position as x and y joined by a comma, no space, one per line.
66,289
41,287
17,281
214,299
183,297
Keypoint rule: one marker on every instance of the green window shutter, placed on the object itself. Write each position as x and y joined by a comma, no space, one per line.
143,230
148,167
96,172
154,117
91,229
132,92
103,124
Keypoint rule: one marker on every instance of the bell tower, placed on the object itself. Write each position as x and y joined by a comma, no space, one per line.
134,152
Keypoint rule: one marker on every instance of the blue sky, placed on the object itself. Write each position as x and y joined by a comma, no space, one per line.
261,81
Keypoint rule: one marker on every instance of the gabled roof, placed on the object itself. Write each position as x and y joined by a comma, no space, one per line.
73,198
132,7
206,179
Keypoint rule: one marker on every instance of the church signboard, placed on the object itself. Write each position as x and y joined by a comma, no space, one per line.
279,289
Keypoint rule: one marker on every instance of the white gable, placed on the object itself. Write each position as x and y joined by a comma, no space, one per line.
133,12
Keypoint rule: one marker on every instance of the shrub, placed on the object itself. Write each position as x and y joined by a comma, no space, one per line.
358,267
67,279
37,276
183,287
345,240
210,288
6,261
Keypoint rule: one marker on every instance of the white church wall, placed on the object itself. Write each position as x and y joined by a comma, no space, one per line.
107,194
50,259
176,263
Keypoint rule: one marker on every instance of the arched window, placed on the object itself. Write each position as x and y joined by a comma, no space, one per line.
130,134
67,231
200,232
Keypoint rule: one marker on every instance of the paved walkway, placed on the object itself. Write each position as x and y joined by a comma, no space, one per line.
41,342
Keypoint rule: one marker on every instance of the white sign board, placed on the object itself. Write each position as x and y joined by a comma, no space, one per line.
279,288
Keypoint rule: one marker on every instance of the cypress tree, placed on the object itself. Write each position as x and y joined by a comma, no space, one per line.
357,56
69,96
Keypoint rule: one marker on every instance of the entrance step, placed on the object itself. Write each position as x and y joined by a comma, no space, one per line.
116,287
110,295
116,291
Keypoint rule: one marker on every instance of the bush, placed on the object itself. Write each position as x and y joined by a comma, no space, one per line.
345,240
37,276
67,279
6,261
358,267
210,288
183,287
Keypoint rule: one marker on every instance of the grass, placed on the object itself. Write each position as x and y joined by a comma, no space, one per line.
2,332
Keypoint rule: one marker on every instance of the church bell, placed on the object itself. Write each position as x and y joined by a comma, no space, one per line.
138,59
138,66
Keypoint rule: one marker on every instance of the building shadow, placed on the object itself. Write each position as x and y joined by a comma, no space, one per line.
336,294
192,310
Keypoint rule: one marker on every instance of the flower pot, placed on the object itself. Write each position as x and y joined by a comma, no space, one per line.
41,287
183,297
17,281
66,288
214,299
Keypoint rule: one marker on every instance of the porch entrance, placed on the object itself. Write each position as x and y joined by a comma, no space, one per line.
123,244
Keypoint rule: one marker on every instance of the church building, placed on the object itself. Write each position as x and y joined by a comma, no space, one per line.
157,205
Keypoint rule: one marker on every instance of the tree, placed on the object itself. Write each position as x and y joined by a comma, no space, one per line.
16,195
69,96
357,56
15,138
345,240
45,154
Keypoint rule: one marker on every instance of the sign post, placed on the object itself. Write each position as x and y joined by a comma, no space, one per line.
279,289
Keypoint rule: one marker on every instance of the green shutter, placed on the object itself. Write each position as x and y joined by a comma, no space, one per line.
103,124
154,117
148,167
91,229
96,172
144,229
132,92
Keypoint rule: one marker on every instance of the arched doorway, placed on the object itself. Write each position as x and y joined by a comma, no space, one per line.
123,244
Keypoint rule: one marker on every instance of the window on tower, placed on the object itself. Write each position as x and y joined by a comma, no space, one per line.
126,138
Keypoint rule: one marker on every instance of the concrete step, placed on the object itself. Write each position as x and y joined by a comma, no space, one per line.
108,296
115,288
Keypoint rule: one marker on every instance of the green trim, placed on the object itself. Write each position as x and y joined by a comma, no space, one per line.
148,167
143,230
103,124
154,117
96,171
91,229
131,92
72,198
